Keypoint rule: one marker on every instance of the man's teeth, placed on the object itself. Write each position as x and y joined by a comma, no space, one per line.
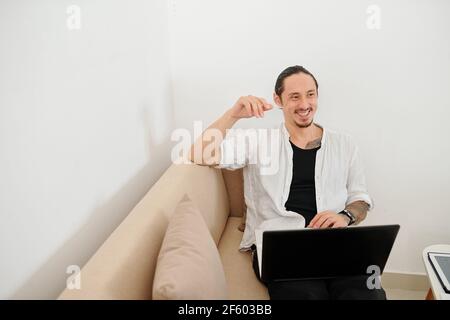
303,113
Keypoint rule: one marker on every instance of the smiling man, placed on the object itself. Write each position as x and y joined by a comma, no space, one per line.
319,177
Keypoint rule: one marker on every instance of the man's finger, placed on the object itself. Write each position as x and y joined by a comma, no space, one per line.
262,106
255,110
320,221
327,223
263,101
248,107
261,110
325,218
315,218
255,105
339,225
266,105
259,106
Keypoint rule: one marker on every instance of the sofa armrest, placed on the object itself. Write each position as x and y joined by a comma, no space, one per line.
124,266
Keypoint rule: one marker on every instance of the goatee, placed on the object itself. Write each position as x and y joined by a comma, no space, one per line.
304,125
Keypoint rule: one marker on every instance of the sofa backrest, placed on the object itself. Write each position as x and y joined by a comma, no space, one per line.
124,266
234,182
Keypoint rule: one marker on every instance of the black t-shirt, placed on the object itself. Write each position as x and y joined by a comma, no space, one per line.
302,194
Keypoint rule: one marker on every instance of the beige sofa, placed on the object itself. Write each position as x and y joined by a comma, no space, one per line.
124,266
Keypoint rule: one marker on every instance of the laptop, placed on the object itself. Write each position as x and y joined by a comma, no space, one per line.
325,253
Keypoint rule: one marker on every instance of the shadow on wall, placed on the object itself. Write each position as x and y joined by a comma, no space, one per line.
50,280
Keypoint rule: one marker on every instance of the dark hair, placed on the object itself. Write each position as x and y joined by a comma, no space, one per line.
279,85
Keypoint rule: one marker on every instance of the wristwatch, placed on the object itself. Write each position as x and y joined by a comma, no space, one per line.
349,215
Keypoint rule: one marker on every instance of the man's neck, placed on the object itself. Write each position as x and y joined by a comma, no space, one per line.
308,137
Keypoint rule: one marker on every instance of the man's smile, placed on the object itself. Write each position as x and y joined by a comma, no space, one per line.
303,113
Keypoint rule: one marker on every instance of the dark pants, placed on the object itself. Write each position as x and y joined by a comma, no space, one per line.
346,288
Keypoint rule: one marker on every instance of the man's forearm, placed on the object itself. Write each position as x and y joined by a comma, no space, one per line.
214,134
206,150
358,209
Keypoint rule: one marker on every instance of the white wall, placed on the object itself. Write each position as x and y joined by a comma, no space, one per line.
85,122
387,87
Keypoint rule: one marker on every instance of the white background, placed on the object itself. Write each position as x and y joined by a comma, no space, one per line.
86,115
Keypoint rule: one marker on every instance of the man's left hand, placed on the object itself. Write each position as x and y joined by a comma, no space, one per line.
329,219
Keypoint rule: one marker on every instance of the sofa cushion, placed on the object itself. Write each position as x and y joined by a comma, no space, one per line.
242,282
188,265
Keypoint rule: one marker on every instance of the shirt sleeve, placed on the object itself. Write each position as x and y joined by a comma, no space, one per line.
356,181
235,150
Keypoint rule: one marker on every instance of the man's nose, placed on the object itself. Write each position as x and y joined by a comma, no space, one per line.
303,104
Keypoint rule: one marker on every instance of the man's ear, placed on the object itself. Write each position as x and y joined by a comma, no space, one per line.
277,100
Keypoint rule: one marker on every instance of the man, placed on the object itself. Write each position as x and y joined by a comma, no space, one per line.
319,176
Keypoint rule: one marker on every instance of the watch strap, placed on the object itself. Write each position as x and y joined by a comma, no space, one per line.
349,215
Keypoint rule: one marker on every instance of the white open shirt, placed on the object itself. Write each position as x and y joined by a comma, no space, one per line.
339,176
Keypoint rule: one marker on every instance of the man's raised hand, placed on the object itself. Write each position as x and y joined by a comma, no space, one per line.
250,106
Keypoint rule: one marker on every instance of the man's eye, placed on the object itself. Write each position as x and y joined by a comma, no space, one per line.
311,94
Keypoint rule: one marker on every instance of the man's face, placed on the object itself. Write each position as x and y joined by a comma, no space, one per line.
298,100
